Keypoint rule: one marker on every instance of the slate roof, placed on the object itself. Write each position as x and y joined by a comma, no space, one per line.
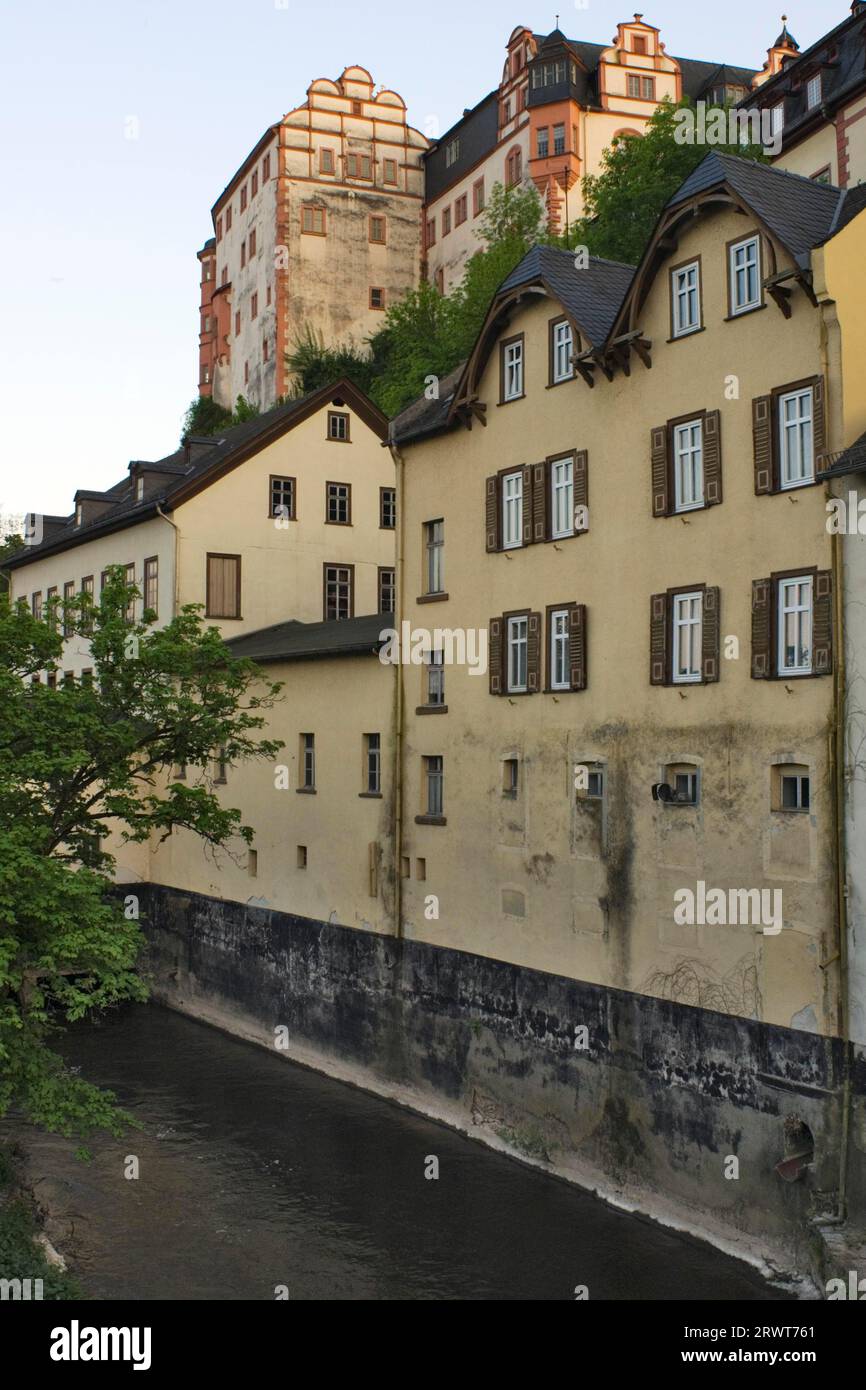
851,460
294,641
592,296
424,417
840,78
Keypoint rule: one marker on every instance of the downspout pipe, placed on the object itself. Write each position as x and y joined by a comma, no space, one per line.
176,530
399,464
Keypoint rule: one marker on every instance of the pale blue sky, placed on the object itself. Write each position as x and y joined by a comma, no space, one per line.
98,240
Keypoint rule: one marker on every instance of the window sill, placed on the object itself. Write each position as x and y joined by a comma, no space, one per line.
371,796
306,791
743,313
430,820
431,709
431,598
225,617
563,381
681,337
337,523
512,399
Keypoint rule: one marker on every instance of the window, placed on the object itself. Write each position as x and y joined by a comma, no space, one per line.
338,504
560,675
220,766
633,85
254,306
511,369
387,589
796,451
387,508
795,626
139,482
684,781
79,513
823,175
434,546
243,253
266,352
517,654
326,161
243,198
357,108
421,869
312,220
254,183
813,92
282,503
514,167
687,635
373,760
246,372
685,299
559,139
561,349
377,297
68,679
358,166
223,596
744,275
68,596
638,43
688,451
339,592
777,118
51,604
252,243
446,221
562,497
431,231
477,197
550,74
506,112
338,426
377,229
439,280
51,680
542,146
87,603
452,152
36,606
512,510
151,584
268,296
510,778
266,168
460,210
648,88
435,675
595,783
252,854
434,777
308,762
791,791
219,229
389,170
302,856
237,323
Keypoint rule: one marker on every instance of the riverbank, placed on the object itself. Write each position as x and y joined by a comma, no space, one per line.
28,1261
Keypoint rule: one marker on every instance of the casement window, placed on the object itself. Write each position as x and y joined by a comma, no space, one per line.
68,679
252,243
36,605
594,789
130,580
68,596
792,625
452,152
514,665
243,253
313,220
326,161
266,351
87,603
439,280
562,497
434,548
254,183
243,198
561,350
684,636
339,581
642,87
302,856
219,229
553,73
477,197
542,143
685,299
511,369
813,92
51,605
435,677
338,504
51,680
434,786
338,426
387,508
744,275
788,433
307,762
358,166
559,139
686,464
87,677
139,482
510,778
377,297
282,498
373,764
791,788
387,589
79,513
446,221
237,323
377,229
151,584
514,168
266,168
684,780
512,510
389,170
357,108
268,297
223,595
638,44
431,231
566,647
229,218
460,213
254,306
246,372
777,118
517,650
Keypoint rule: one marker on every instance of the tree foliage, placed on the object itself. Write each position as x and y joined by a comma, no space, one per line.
77,763
206,416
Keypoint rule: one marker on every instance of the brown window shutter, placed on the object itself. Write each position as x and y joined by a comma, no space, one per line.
819,419
533,652
763,597
539,502
822,624
492,513
577,646
762,441
527,504
581,484
659,639
494,655
660,470
712,452
710,631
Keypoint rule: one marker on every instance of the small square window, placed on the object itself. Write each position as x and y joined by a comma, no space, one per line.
421,869
684,782
377,297
338,426
377,229
302,856
795,792
510,777
405,866
252,863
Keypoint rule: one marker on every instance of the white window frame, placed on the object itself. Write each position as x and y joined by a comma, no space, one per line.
596,794
806,625
799,778
797,454
751,261
777,118
436,676
517,655
434,768
309,763
512,510
435,544
686,618
813,92
512,371
562,497
688,451
563,347
374,764
693,781
682,292
559,656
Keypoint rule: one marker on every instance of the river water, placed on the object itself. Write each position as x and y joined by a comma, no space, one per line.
257,1175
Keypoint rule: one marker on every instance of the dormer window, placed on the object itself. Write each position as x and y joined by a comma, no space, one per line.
78,514
777,115
139,489
452,152
685,299
813,91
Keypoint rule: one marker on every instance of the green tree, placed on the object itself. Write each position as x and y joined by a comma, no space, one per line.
205,416
638,176
76,763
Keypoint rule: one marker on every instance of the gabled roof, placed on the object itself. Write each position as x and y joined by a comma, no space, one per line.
841,77
423,417
203,467
294,641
